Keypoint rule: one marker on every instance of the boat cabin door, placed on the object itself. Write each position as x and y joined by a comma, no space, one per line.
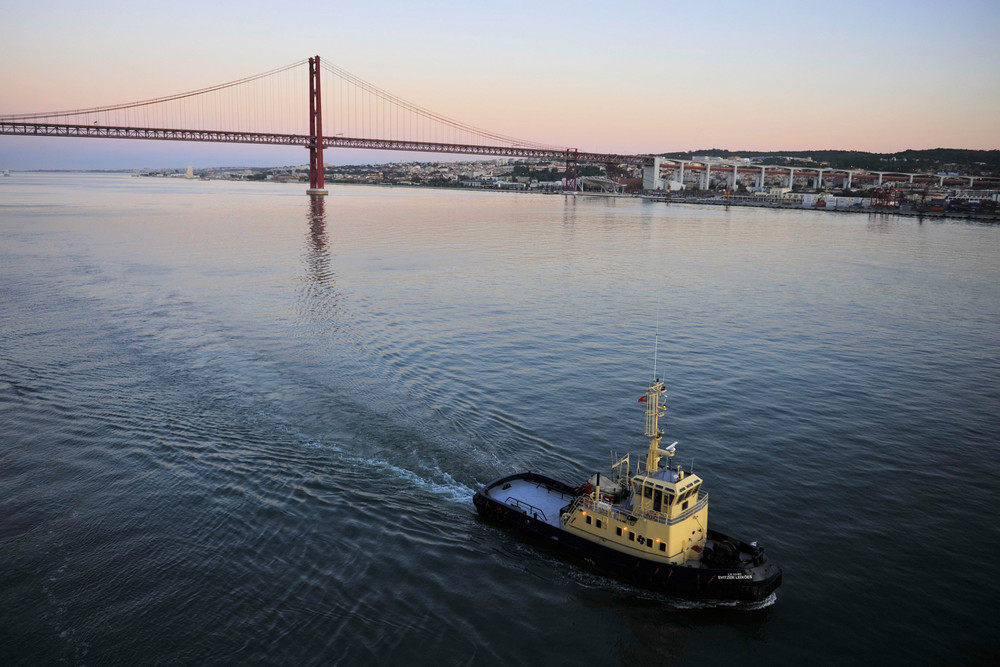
657,499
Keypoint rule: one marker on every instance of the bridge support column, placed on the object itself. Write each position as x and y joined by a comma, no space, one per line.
316,184
791,178
651,176
736,177
706,177
576,176
849,175
760,179
819,180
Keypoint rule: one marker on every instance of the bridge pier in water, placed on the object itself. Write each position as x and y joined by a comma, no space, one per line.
574,154
316,183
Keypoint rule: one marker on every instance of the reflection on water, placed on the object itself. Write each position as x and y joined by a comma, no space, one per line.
317,223
319,301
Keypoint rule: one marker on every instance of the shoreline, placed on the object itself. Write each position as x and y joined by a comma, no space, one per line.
978,217
990,218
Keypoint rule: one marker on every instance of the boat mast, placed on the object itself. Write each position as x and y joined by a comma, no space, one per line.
654,410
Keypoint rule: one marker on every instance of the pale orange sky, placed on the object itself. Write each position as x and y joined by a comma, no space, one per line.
634,77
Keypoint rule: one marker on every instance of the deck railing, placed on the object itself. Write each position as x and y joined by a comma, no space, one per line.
528,508
630,516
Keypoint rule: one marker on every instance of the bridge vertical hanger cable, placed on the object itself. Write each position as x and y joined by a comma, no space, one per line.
424,117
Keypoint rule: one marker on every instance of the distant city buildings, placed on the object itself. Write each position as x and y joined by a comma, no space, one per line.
505,174
704,179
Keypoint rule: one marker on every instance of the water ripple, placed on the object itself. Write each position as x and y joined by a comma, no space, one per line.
248,429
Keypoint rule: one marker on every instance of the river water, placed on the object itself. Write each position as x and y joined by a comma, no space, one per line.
238,425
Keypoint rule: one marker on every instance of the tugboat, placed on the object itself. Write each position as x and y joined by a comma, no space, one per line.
649,528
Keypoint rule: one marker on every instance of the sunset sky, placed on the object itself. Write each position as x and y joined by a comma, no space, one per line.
635,77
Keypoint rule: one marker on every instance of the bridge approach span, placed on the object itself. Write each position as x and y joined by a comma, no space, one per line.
304,140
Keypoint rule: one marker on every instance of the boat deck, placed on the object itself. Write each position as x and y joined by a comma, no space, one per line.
534,498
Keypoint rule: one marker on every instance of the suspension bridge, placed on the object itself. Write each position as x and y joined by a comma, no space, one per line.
317,105
340,110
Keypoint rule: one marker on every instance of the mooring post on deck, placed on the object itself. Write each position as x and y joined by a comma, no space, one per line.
316,185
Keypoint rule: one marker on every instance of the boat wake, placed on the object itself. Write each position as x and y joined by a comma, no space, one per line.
433,480
438,482
724,604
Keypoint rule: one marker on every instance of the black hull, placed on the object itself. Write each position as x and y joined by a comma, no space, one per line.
691,583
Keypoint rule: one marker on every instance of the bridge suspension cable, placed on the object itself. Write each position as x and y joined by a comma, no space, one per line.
442,128
275,102
157,100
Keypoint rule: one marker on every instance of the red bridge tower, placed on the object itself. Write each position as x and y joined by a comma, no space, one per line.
316,185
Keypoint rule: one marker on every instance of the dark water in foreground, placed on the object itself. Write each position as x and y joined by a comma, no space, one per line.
237,428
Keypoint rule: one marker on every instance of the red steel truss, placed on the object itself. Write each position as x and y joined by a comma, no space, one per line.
225,136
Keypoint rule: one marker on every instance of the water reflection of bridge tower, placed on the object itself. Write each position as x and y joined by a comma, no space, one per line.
319,300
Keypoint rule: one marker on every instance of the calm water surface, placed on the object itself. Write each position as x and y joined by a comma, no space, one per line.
238,426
